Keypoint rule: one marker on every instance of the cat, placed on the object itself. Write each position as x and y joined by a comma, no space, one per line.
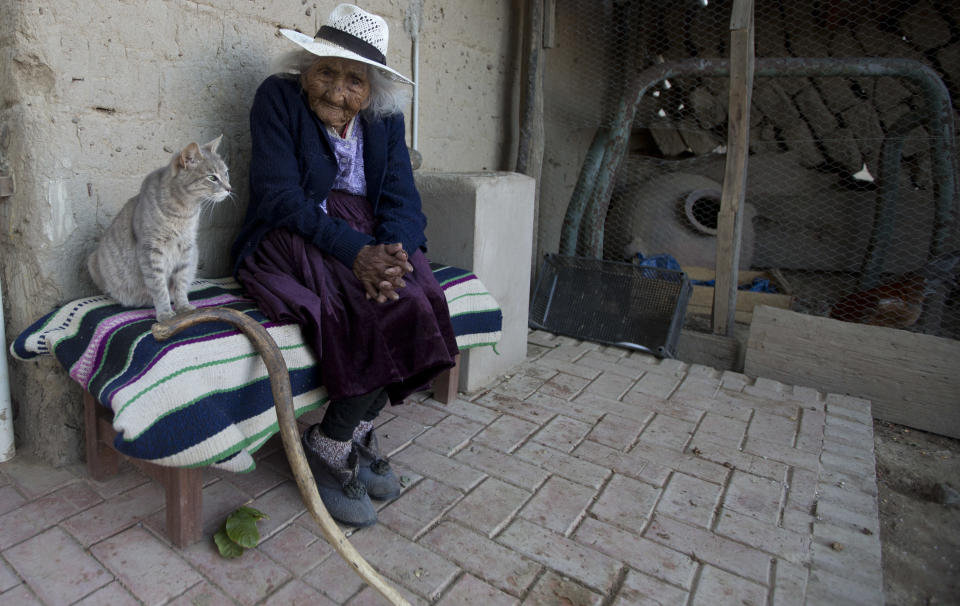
148,254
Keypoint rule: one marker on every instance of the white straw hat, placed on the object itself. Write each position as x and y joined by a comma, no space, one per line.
352,33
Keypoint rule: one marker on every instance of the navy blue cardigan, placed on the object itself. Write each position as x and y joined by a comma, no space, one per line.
292,168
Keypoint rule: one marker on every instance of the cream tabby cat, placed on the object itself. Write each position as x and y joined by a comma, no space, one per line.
148,254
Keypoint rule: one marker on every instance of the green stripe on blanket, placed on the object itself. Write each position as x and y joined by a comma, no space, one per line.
203,397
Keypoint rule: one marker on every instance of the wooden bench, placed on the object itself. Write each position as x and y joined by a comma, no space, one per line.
202,397
182,486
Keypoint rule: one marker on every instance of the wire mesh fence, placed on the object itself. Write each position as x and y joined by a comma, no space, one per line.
851,201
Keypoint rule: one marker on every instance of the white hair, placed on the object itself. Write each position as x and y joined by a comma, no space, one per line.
387,96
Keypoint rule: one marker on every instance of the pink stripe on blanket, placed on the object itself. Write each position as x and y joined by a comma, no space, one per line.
462,280
82,369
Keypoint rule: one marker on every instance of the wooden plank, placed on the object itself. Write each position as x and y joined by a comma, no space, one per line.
706,273
740,317
701,297
530,148
913,379
741,15
703,304
730,217
708,349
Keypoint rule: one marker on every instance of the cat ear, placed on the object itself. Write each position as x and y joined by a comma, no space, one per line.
212,146
190,156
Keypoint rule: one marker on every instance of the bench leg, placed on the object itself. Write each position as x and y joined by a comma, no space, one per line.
102,460
445,385
184,496
182,487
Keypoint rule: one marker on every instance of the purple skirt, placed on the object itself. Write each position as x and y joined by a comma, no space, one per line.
362,345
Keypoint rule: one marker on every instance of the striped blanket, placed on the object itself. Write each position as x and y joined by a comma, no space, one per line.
203,397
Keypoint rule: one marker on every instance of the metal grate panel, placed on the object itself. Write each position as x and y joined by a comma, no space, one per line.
611,302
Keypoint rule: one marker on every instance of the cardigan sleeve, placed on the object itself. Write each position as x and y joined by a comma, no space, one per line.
277,197
399,214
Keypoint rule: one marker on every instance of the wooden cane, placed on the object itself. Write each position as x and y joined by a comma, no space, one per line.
286,419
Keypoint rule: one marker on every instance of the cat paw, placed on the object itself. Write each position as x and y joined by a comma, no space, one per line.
185,308
163,316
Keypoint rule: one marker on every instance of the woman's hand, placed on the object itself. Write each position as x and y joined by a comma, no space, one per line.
400,255
380,268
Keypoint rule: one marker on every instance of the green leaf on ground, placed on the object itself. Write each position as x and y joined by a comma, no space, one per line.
241,528
239,532
253,513
227,547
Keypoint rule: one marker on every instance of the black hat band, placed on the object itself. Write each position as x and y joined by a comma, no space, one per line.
351,43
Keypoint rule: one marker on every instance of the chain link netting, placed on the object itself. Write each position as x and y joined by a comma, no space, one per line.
851,196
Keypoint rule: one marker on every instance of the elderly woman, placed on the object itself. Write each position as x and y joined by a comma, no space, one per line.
333,240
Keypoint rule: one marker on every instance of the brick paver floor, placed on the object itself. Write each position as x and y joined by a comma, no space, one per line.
590,475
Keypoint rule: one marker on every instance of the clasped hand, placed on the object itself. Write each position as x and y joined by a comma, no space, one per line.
381,268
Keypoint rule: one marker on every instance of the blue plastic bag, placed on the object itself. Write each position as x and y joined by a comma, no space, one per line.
665,261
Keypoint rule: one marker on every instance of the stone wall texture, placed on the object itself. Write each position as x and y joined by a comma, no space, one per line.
96,94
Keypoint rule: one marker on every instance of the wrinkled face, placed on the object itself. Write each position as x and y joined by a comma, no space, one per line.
337,89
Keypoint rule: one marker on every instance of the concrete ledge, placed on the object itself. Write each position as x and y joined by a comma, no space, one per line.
484,222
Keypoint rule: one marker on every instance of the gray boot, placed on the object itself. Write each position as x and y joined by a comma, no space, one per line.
341,490
374,469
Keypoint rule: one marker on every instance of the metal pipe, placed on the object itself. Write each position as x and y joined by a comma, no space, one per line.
578,201
888,185
415,127
411,23
595,196
7,446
